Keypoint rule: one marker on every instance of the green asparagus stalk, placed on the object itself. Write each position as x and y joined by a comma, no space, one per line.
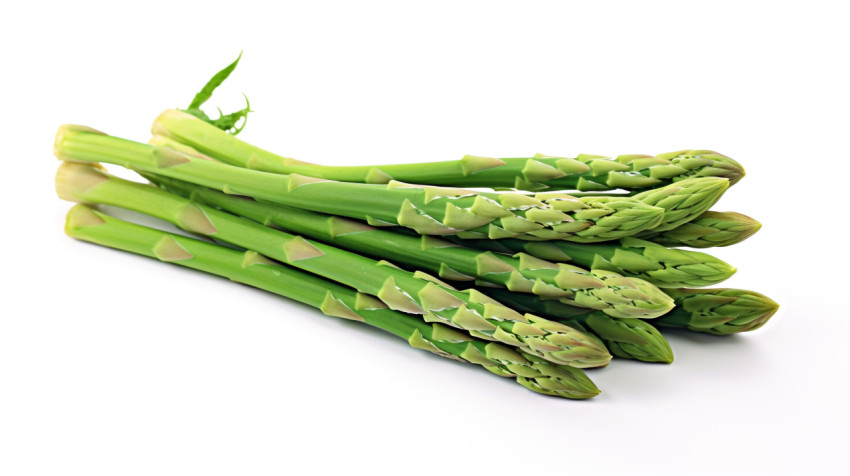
583,173
631,257
720,311
710,229
625,338
596,289
428,210
400,290
331,298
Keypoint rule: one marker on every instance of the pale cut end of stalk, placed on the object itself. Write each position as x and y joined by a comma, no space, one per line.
60,137
157,129
73,178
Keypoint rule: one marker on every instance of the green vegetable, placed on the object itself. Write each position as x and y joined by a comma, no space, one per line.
399,289
428,210
631,257
720,311
626,338
596,289
710,229
583,173
331,298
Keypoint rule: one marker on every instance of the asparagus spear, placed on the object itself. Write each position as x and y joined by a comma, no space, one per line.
599,217
400,290
331,298
601,289
428,210
720,311
632,257
626,338
583,173
710,229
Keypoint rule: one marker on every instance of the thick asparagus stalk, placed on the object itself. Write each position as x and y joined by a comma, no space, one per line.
428,210
710,229
626,338
603,290
720,311
331,298
583,173
400,290
632,257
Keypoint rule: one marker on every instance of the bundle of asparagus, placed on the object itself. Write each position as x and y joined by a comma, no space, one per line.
542,283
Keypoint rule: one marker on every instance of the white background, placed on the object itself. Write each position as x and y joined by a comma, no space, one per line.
114,364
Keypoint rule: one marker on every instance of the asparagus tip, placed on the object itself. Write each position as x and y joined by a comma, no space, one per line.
73,178
753,226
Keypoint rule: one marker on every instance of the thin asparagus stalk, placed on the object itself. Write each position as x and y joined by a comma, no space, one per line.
720,311
631,257
255,270
710,229
625,338
583,173
428,210
603,290
399,289
599,217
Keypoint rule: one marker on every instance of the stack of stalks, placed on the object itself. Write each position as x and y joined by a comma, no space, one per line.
535,283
